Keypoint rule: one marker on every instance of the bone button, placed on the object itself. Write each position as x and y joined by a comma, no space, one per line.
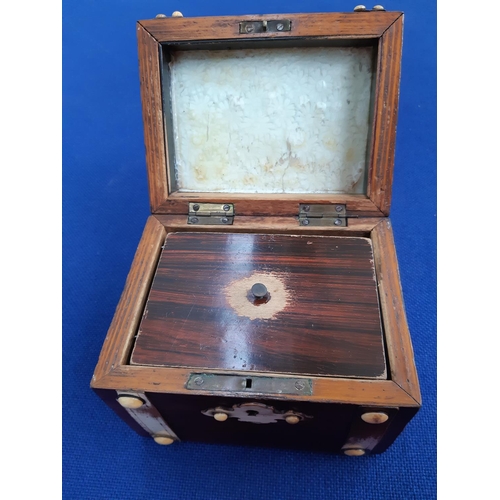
375,417
220,417
130,402
354,452
164,440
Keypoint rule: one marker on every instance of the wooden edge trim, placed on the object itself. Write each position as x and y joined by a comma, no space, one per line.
129,310
152,112
330,390
265,204
361,226
385,116
331,25
397,334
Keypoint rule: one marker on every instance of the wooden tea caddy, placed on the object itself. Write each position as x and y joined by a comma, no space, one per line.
320,356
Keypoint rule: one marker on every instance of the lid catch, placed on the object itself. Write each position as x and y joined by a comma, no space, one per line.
271,26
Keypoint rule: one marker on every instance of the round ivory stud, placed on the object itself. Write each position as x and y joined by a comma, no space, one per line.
163,439
359,8
220,417
292,419
354,452
130,402
177,14
375,417
159,16
378,7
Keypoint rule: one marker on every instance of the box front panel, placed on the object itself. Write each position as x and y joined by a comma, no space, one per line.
261,422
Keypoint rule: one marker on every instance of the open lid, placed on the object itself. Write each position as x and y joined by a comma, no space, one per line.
268,112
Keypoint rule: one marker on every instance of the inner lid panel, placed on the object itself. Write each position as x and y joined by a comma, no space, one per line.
285,120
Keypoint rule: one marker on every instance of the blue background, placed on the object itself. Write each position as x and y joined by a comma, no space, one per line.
105,206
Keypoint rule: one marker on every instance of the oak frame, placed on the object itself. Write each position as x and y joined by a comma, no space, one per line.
383,27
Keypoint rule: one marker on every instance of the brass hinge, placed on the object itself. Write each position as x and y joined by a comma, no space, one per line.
322,215
211,213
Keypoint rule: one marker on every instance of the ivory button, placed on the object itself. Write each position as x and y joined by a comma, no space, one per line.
378,7
130,402
163,439
375,417
354,452
359,8
220,417
177,14
292,419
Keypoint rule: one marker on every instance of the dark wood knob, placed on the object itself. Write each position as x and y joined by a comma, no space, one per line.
259,291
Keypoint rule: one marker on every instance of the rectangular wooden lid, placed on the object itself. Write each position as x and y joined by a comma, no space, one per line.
269,120
314,311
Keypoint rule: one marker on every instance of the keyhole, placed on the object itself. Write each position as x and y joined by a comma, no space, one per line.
252,413
248,383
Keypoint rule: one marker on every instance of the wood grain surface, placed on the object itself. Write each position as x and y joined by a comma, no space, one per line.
270,204
385,117
152,113
117,344
347,25
329,326
397,334
357,226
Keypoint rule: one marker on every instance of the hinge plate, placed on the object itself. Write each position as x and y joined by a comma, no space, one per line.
211,214
322,215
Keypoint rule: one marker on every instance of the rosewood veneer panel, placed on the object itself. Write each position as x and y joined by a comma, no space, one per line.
326,318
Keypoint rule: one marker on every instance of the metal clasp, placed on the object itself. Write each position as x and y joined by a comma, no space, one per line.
249,383
274,26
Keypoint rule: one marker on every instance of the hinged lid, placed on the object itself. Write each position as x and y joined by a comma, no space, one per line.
270,112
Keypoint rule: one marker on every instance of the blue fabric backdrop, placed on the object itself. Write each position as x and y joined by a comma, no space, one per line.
105,209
